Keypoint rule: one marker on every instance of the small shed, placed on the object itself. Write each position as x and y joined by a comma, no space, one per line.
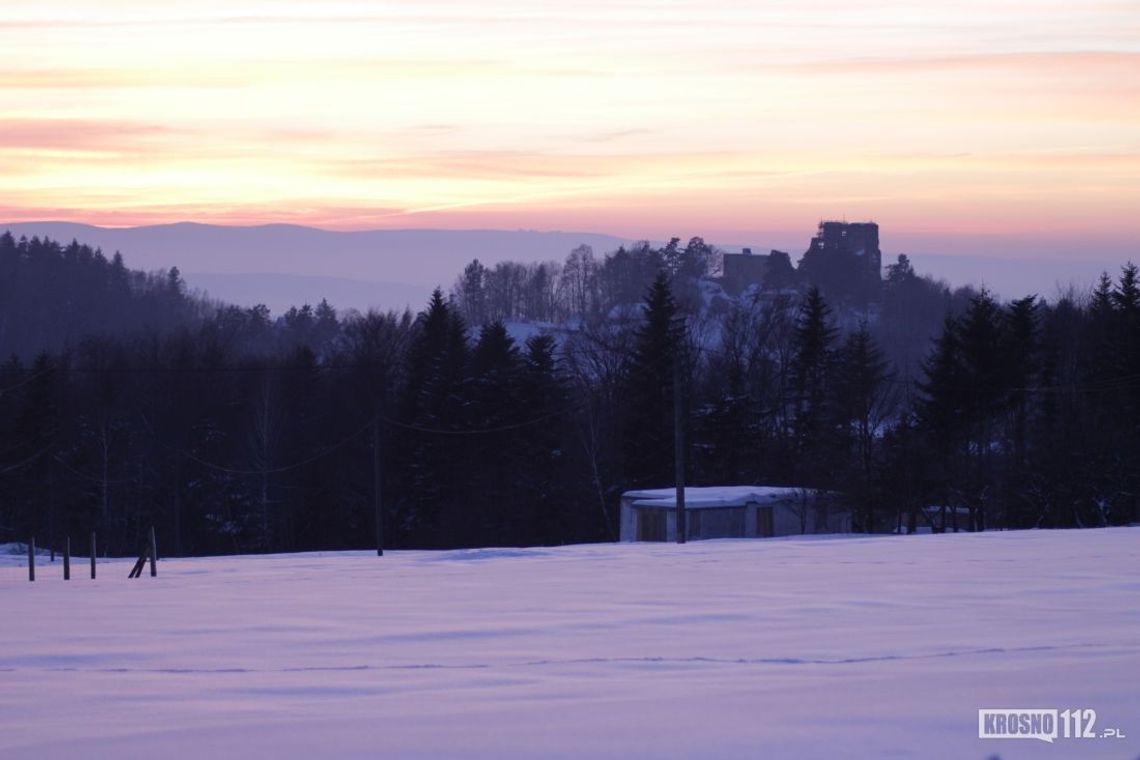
729,512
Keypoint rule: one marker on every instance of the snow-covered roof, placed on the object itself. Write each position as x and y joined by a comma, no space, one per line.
709,497
935,509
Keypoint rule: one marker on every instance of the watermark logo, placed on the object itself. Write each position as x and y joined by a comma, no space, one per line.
1012,723
1046,725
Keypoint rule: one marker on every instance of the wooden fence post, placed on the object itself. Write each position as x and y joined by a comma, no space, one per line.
32,559
153,553
67,558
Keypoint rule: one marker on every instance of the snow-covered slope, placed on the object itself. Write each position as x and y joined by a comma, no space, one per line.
800,648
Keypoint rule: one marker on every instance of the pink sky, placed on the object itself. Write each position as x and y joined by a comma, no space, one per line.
735,120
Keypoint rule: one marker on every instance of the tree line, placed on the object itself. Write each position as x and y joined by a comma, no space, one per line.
232,431
584,286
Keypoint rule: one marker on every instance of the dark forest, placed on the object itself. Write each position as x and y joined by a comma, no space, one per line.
127,401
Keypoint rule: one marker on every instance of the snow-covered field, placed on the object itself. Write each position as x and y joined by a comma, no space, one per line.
796,648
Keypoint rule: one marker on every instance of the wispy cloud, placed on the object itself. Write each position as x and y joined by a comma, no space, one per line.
1061,61
77,135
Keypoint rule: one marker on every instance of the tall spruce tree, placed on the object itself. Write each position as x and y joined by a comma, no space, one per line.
813,365
1022,347
542,480
491,509
987,394
863,404
941,408
648,390
433,400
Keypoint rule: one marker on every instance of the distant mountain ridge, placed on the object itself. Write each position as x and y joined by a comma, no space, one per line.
282,265
293,249
277,264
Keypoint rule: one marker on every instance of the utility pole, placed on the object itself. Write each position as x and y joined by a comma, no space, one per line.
679,445
376,483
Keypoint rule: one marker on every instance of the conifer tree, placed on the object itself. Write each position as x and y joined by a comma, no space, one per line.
1126,295
813,365
941,408
543,479
987,382
862,378
649,390
433,400
1022,339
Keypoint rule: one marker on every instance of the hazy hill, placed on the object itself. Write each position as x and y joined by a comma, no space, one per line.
283,265
386,268
1014,278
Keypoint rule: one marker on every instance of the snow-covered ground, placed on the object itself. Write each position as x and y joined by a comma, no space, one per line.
795,648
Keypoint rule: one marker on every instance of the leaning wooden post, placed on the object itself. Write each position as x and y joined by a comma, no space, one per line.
153,553
67,558
32,559
92,555
140,563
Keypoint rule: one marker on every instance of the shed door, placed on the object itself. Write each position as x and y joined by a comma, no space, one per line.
650,525
764,522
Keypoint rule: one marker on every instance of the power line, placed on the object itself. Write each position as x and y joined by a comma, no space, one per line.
23,463
23,382
193,370
266,471
1104,386
484,431
347,439
93,478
